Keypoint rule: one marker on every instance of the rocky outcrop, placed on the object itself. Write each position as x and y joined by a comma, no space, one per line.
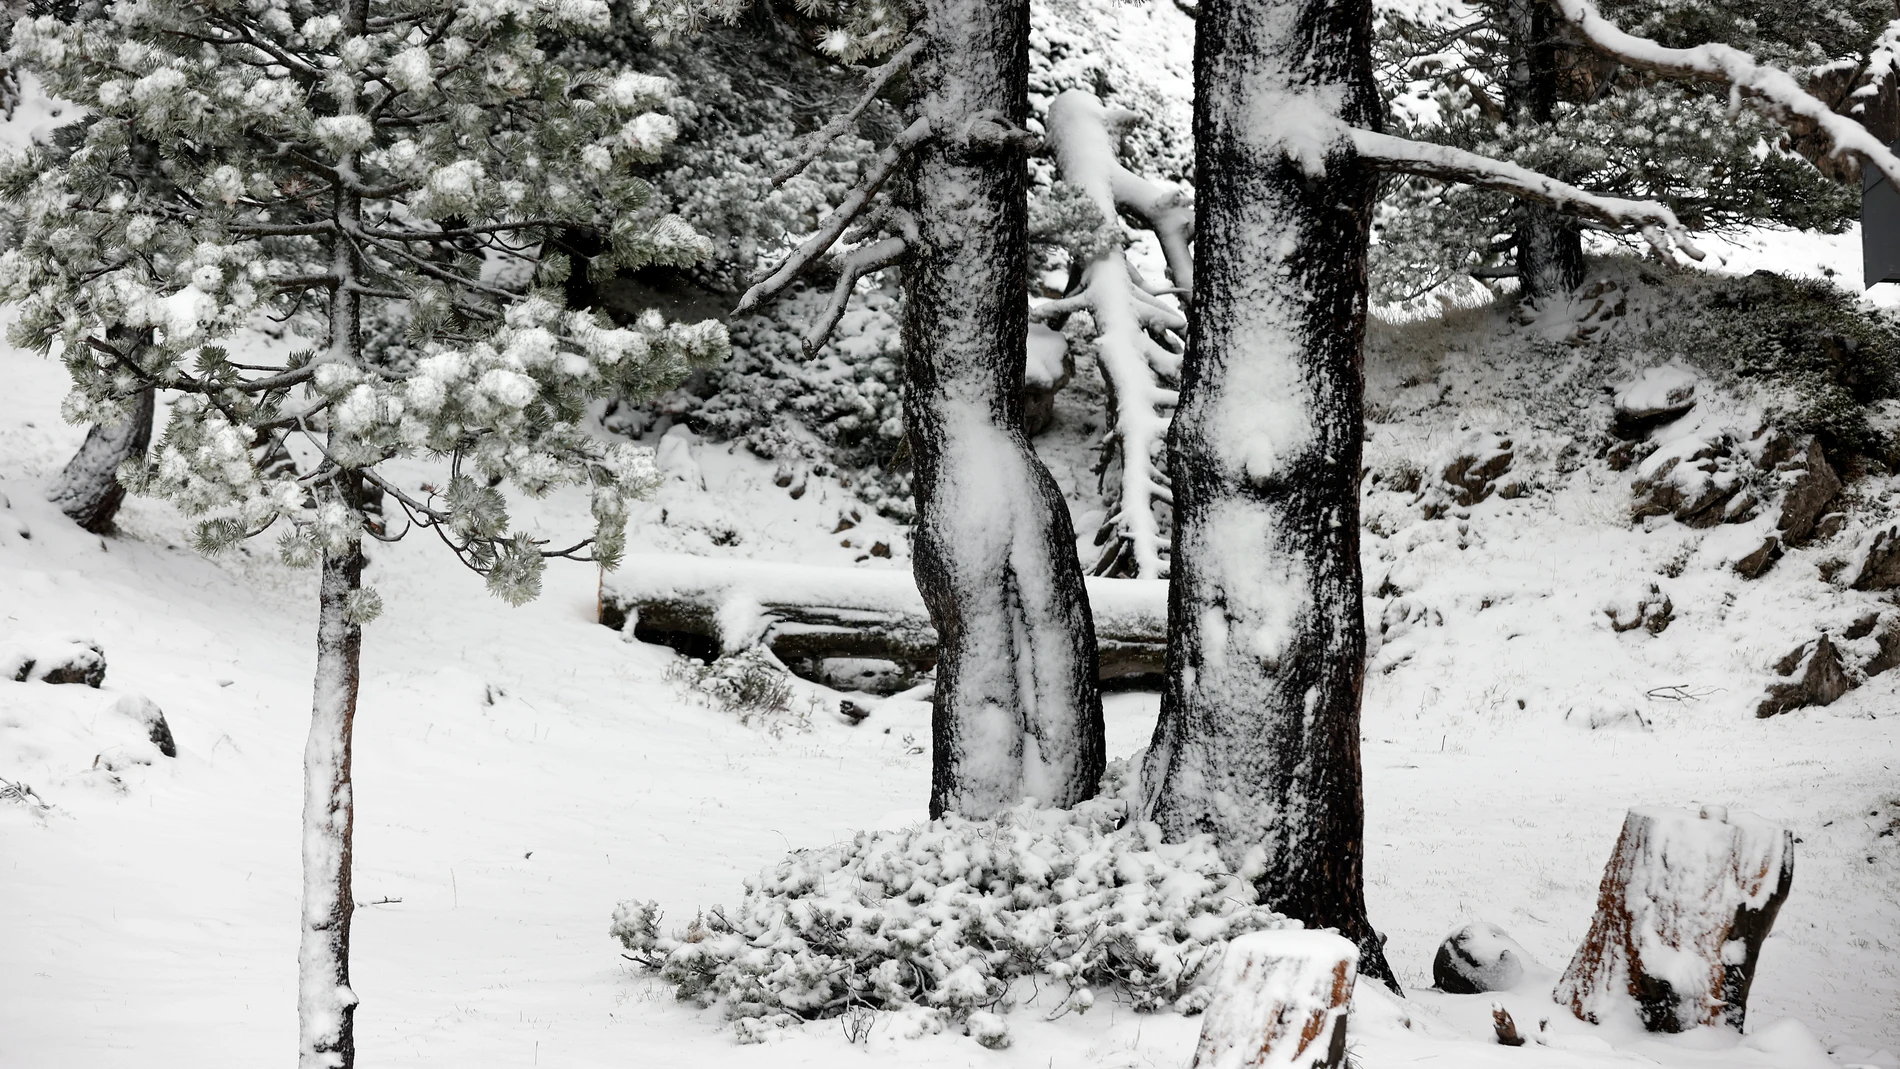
1814,674
1810,486
1755,562
1475,468
1880,562
1698,480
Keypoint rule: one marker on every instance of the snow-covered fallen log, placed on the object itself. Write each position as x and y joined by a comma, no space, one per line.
1686,902
1281,1003
804,613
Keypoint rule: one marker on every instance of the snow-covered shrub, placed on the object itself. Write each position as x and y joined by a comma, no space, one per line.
943,919
749,684
841,410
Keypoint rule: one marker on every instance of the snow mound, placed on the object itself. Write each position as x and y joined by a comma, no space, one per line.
944,917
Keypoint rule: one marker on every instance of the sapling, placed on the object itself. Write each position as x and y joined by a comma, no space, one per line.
372,181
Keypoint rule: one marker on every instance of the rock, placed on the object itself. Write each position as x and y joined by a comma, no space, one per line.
1816,678
1696,480
1651,610
1759,560
1477,958
1811,486
1657,396
145,711
1880,562
64,662
1475,468
1829,525
1888,654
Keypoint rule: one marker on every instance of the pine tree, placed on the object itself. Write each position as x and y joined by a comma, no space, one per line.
375,178
1017,712
1509,79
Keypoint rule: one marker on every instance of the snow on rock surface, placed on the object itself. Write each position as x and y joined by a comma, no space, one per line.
1477,958
1280,1003
1688,899
1658,394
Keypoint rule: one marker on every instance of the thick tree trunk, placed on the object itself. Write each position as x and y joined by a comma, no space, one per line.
1549,243
1016,712
326,1007
1258,741
88,489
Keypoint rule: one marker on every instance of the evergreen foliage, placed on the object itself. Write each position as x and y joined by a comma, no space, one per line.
380,188
1612,130
946,917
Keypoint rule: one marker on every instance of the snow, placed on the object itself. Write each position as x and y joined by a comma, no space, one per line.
522,770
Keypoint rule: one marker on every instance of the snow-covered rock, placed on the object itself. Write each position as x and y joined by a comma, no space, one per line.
1477,958
145,712
1657,396
69,661
1815,677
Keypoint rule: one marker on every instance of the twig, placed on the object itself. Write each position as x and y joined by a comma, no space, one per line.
819,140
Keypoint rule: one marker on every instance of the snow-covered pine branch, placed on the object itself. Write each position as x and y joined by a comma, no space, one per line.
1771,87
1137,335
1655,221
840,219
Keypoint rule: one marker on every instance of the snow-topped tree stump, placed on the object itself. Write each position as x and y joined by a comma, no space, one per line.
1280,1002
1685,904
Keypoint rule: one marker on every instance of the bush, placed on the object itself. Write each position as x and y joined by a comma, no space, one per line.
942,920
750,684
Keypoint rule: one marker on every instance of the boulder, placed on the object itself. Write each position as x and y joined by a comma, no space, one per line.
61,662
1657,396
1477,958
1475,467
1811,485
139,708
1887,655
1880,562
1697,480
1650,610
1815,677
1759,560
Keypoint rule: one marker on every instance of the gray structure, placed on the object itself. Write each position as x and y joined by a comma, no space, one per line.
1879,227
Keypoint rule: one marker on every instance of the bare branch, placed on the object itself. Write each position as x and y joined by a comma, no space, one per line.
1775,88
1449,164
835,223
860,262
819,140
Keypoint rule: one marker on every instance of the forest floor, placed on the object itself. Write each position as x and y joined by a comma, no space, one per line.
520,771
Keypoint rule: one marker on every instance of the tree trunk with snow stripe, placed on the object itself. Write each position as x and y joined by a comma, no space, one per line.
326,1006
1258,740
1016,712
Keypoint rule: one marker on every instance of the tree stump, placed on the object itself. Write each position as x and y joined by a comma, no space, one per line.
1686,901
1280,1003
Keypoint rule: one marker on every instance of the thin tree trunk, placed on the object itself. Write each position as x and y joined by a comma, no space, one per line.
326,1005
88,488
1549,243
1016,712
1258,740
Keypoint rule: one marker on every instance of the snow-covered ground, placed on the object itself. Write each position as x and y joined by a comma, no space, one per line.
519,771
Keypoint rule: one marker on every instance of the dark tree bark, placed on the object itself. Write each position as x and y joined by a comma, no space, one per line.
1258,741
1016,713
88,489
1549,243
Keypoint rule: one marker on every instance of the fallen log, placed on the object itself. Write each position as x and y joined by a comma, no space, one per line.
1686,901
808,614
1280,1003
